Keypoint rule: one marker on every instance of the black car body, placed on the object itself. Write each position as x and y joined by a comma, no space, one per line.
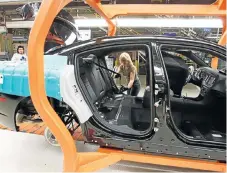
159,122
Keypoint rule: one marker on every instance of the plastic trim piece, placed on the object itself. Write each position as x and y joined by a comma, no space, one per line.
71,94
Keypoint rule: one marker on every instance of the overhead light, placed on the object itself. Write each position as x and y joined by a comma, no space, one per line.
214,37
135,23
152,23
91,23
17,19
19,24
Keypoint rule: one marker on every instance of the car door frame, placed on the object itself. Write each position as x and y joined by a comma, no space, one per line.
169,120
163,141
195,46
93,120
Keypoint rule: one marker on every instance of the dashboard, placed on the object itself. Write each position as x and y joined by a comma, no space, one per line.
210,79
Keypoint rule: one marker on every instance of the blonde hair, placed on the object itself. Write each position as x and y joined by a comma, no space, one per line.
125,57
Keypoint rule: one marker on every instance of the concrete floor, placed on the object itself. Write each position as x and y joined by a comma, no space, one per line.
23,152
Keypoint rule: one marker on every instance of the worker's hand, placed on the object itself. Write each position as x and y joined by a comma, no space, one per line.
117,76
123,89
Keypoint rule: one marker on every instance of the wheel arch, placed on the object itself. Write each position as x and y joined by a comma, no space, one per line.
55,103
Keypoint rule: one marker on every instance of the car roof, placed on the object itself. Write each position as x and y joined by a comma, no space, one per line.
107,39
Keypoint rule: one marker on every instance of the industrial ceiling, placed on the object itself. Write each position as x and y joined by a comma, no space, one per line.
78,9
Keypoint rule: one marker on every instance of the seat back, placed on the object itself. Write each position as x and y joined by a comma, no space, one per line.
177,72
94,78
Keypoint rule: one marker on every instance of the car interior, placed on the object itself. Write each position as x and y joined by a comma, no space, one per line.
129,113
202,117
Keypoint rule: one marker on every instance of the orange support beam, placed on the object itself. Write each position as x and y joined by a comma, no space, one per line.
73,161
168,161
97,6
222,41
222,4
47,12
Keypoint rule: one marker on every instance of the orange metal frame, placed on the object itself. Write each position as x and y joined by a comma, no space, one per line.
110,11
92,161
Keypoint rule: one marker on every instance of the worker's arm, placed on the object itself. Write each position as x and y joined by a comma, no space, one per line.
132,78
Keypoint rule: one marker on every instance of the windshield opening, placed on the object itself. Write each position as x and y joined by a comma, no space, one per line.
207,58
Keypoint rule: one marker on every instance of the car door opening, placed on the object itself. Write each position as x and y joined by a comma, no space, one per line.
203,117
109,102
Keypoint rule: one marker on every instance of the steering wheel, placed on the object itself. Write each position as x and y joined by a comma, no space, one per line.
191,70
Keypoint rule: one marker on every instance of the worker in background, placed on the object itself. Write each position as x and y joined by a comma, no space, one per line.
129,71
20,55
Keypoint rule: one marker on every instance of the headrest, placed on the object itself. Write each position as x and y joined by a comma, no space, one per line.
91,58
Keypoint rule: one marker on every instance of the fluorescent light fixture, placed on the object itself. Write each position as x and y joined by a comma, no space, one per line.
214,37
93,23
135,23
152,23
17,19
19,24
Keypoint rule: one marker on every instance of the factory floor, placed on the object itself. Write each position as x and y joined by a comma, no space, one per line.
26,152
23,152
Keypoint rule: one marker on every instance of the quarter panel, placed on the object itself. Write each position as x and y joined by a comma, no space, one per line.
71,94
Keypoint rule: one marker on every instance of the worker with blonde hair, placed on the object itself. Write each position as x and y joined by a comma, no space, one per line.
129,71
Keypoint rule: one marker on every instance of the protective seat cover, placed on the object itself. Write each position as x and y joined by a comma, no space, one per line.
94,78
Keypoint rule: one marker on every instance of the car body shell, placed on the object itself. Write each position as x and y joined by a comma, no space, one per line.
61,84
